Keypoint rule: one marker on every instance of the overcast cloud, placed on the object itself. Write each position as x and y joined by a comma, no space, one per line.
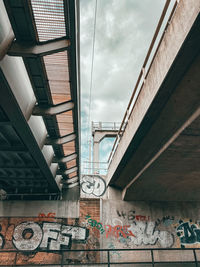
124,30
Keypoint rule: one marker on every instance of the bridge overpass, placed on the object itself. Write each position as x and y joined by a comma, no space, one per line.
39,103
157,156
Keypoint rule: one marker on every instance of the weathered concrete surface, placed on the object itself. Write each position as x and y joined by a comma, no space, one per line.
168,102
174,175
153,225
59,209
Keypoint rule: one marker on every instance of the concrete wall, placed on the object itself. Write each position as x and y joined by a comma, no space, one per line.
102,223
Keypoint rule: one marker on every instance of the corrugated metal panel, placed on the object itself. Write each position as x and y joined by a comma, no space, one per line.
58,75
49,18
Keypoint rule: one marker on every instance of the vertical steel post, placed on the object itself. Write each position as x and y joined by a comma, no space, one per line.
195,258
108,255
152,258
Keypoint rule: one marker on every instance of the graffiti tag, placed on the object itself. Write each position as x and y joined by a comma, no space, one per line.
146,233
48,215
93,185
29,236
94,223
118,231
188,233
131,216
166,220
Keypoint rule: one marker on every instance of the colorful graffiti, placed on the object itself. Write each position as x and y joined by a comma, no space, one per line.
29,236
93,185
118,231
188,233
147,234
166,220
94,223
112,246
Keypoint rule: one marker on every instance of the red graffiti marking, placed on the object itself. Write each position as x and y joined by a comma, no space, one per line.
141,218
118,231
49,215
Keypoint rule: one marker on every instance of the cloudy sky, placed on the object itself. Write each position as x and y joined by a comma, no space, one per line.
124,29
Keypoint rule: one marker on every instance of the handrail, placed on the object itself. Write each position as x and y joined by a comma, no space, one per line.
143,74
109,260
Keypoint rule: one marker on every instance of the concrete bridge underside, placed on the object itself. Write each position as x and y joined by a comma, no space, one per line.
158,155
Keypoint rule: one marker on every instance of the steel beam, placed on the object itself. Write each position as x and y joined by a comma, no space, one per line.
15,115
2,123
70,181
60,141
65,159
15,149
66,172
53,110
71,185
27,50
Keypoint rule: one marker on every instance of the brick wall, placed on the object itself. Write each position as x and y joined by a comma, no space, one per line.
80,226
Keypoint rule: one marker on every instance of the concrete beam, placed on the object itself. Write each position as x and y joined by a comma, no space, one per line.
141,139
60,141
27,50
53,110
62,209
6,43
64,159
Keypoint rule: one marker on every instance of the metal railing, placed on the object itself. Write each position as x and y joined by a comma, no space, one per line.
105,257
144,73
105,126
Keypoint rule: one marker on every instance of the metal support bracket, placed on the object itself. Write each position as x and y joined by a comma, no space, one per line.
53,110
60,141
66,172
27,50
64,159
70,181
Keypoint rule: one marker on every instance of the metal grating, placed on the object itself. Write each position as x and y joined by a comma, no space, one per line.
49,18
53,78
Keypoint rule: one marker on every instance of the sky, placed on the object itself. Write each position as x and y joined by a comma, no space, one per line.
124,30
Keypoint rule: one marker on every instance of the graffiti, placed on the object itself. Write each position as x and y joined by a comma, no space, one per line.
146,233
2,241
131,216
48,215
118,231
166,220
29,236
94,223
93,185
113,221
111,246
188,233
